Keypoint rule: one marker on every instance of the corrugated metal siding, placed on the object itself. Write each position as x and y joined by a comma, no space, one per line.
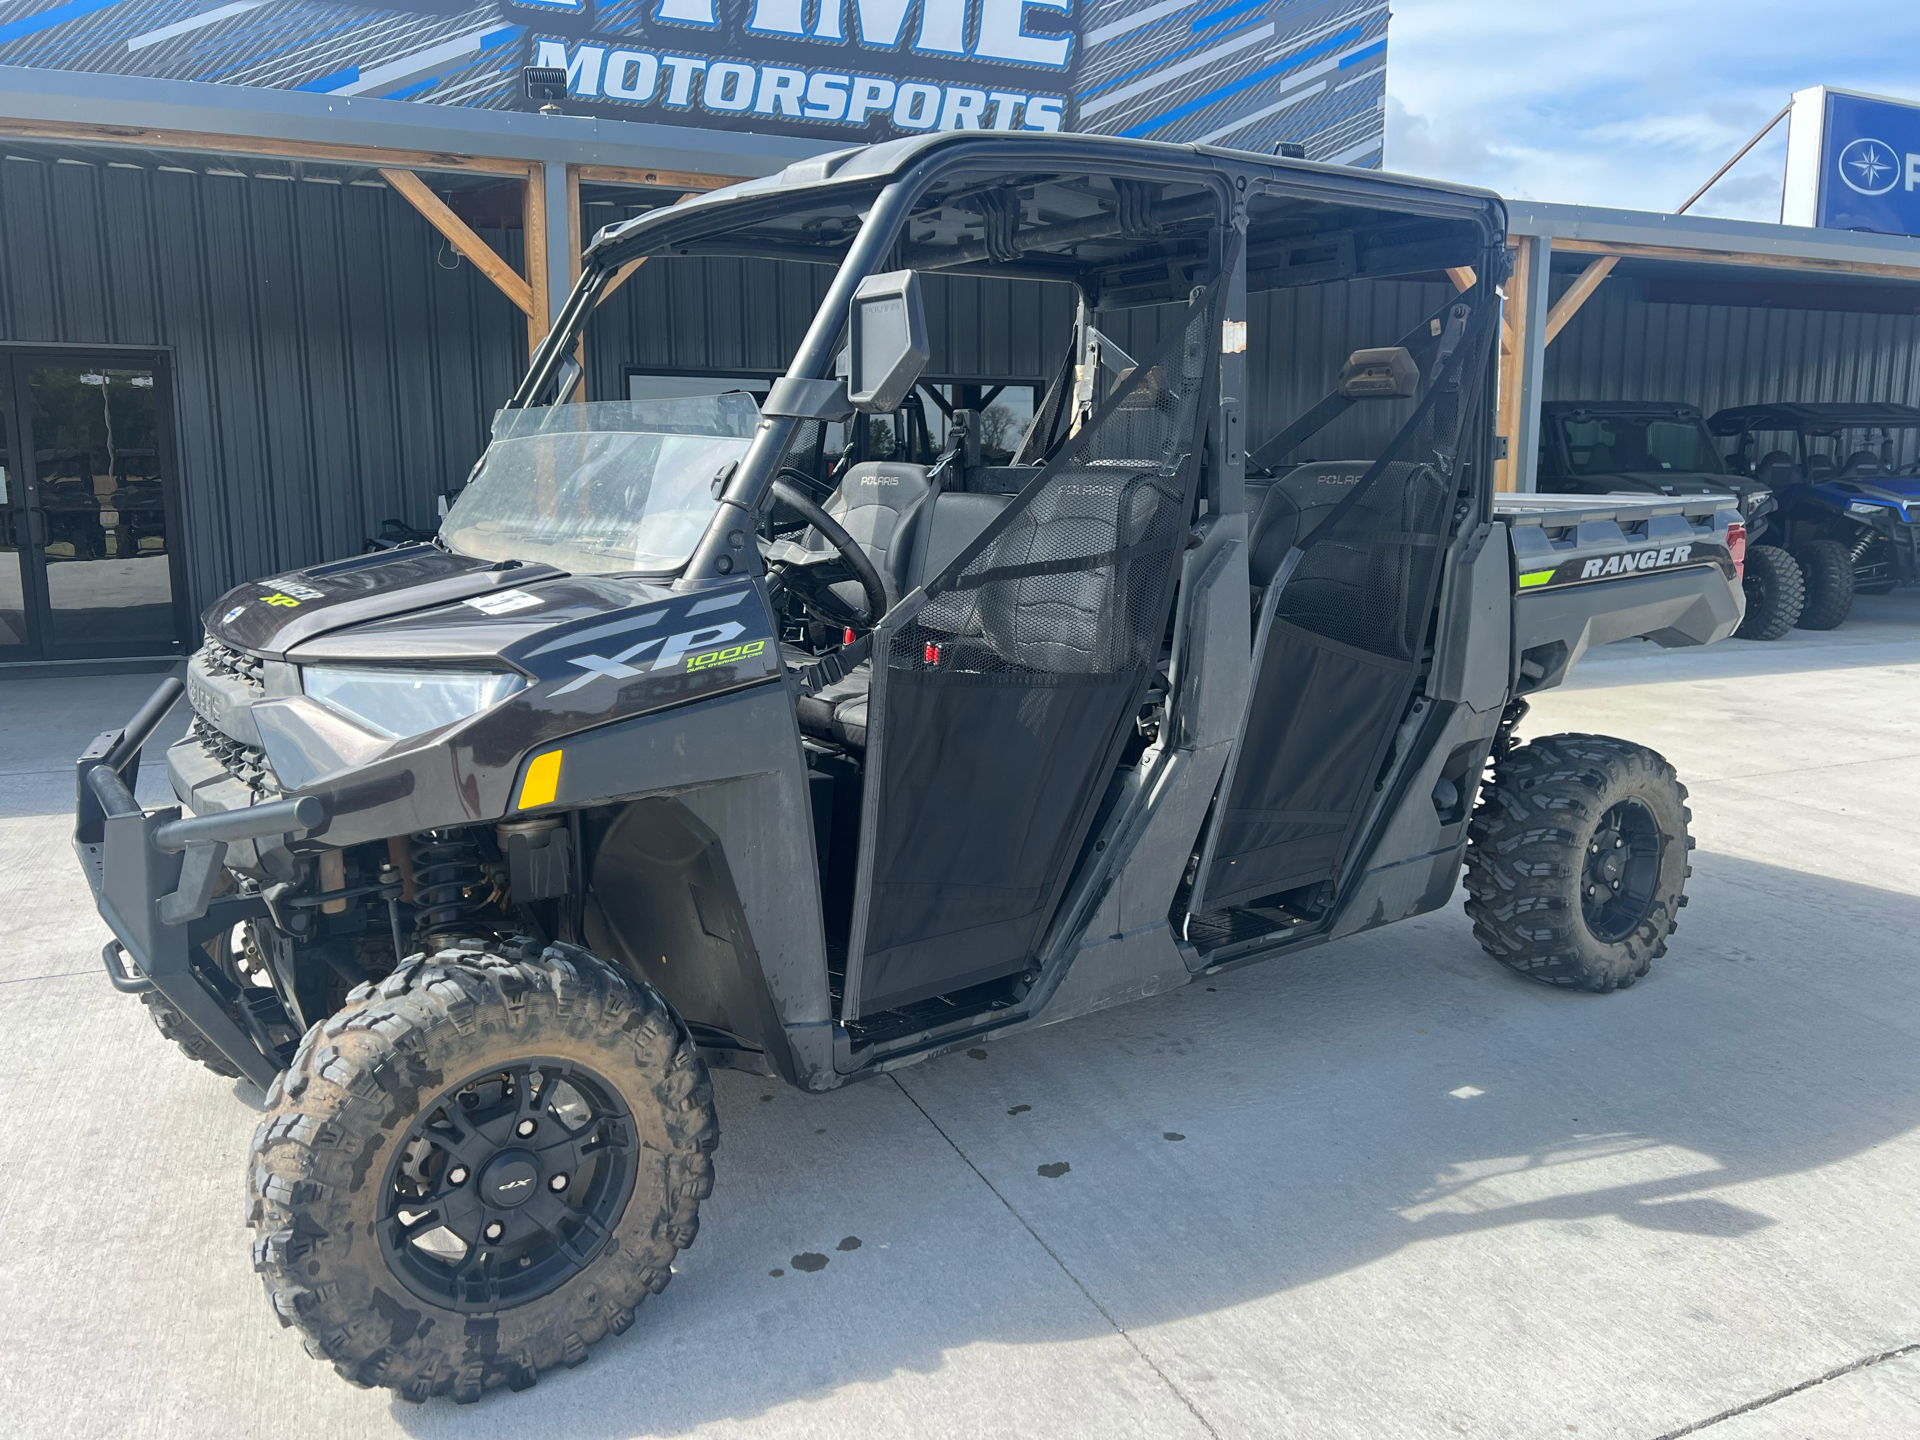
677,313
328,370
1619,347
1297,340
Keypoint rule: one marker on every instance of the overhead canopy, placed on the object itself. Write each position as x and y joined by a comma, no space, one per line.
1814,419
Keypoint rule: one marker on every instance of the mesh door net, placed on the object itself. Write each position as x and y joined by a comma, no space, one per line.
1338,646
998,708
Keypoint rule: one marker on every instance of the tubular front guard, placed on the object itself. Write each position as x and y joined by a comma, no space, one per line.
153,876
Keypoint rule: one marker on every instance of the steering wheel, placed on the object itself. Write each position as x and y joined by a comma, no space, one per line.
811,573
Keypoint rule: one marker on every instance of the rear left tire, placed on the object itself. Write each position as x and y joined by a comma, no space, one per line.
1577,861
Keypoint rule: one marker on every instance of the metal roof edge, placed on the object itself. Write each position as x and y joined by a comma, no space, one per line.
254,112
1703,232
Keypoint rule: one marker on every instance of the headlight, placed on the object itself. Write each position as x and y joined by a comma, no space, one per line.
405,702
1860,507
1758,499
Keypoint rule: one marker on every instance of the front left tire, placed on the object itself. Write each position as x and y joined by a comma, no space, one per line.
478,1168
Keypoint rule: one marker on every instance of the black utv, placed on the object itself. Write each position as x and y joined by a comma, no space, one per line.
1648,447
487,849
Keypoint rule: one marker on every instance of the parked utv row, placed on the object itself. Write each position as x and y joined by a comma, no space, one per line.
486,849
1830,493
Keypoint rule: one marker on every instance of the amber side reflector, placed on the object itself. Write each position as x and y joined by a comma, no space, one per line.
542,782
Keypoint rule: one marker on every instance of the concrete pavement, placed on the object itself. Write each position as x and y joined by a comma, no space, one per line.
1383,1189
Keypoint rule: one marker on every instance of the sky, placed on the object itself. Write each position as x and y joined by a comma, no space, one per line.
1629,103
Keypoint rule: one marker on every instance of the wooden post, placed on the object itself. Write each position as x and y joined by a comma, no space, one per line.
1508,421
534,211
460,236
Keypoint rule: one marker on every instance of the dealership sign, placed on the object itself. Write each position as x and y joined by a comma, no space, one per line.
873,67
1853,162
1244,73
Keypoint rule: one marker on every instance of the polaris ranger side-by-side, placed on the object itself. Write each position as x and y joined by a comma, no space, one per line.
1652,447
487,849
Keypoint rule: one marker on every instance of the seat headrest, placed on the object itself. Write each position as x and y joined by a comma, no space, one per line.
1776,468
893,484
1820,467
1862,462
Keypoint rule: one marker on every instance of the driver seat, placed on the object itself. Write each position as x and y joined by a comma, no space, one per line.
879,503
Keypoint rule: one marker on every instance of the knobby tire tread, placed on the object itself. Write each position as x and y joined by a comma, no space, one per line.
355,1086
1525,856
1828,571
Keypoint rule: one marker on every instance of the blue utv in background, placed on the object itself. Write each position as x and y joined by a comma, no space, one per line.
1847,478
1663,447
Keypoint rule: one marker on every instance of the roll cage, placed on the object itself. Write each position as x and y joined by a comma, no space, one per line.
1152,223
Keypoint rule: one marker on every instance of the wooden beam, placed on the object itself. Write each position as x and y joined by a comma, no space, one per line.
461,236
197,140
1626,250
534,211
1568,305
1508,414
670,179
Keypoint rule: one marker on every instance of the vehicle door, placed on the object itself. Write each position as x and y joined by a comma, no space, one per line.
1001,696
1348,554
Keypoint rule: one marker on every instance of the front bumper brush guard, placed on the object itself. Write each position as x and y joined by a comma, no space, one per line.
153,877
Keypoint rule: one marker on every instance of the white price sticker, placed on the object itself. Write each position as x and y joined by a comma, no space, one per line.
505,602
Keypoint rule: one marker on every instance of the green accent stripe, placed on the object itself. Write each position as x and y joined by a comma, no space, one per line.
1538,577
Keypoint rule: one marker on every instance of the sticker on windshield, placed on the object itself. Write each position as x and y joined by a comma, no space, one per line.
504,602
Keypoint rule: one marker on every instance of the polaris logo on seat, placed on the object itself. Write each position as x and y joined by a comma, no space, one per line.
1633,561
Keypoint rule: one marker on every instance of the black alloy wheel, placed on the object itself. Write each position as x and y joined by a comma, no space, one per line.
1621,872
508,1184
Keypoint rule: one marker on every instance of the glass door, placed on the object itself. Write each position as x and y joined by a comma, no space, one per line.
92,502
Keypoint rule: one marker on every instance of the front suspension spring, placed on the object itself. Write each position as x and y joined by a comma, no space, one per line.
449,885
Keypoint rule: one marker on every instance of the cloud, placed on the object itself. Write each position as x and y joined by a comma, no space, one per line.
1631,103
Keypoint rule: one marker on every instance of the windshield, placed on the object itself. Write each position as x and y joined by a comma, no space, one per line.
618,485
1616,444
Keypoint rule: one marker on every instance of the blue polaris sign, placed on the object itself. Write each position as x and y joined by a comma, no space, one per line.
1869,166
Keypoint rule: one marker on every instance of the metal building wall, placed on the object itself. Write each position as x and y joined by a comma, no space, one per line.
329,370
727,315
1620,347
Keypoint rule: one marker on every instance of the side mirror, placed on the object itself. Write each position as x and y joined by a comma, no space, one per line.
1385,374
887,341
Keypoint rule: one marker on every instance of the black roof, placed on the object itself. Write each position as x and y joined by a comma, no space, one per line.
1621,407
1816,419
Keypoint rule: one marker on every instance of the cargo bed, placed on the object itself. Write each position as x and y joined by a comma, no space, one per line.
1592,569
